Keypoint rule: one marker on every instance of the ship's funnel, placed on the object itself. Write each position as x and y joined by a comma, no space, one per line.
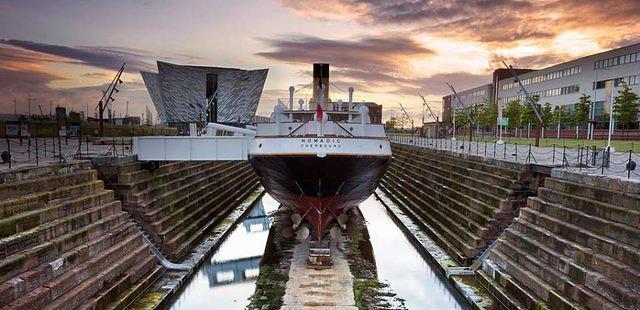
321,75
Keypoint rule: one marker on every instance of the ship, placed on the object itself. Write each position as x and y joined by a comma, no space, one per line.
320,158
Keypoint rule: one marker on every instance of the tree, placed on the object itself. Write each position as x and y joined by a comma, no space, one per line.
625,107
488,115
513,111
560,116
581,112
395,122
547,115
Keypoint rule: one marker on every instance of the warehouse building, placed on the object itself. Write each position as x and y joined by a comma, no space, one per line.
599,76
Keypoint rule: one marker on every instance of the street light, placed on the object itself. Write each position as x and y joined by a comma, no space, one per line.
592,128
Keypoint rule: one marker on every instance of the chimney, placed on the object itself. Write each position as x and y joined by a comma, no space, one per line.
291,90
350,98
321,75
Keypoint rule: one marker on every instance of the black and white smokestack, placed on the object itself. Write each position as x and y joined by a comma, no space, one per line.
321,76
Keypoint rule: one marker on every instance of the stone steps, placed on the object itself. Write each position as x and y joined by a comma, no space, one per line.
210,209
162,206
425,177
588,206
600,226
65,241
527,283
477,174
21,284
478,193
434,234
463,225
28,220
194,208
175,202
627,275
160,178
56,228
37,200
102,280
559,269
466,201
576,242
154,196
501,168
195,232
460,248
618,198
46,252
498,185
582,236
14,190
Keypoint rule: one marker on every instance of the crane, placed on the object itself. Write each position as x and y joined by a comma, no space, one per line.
530,101
425,104
407,115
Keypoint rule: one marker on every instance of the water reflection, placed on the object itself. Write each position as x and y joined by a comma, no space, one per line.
400,264
227,279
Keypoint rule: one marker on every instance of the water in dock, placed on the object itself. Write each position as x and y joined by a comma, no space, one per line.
228,278
401,266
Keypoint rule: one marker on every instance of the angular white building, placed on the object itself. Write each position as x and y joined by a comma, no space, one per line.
185,94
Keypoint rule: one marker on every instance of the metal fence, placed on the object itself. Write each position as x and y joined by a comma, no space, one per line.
585,159
29,151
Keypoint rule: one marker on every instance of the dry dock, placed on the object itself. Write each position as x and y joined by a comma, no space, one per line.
444,230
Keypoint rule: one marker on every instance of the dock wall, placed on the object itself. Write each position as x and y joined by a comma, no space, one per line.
178,203
65,242
558,239
461,201
576,244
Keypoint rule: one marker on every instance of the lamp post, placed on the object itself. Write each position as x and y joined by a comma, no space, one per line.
610,121
592,128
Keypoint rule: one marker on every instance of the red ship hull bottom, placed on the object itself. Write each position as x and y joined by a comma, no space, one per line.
320,189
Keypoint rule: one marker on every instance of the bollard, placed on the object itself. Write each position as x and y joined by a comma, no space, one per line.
529,154
37,162
485,148
9,150
516,151
504,149
631,165
602,166
553,161
580,159
564,155
59,146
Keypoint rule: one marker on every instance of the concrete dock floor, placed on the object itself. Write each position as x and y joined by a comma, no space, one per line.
319,289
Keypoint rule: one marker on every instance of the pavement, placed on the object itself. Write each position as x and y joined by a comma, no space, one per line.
44,151
587,161
319,289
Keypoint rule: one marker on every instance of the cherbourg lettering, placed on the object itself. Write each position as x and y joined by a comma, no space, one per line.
320,142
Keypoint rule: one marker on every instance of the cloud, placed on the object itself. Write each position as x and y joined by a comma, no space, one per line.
110,58
388,53
24,72
504,22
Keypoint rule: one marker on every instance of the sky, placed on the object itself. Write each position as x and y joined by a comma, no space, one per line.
64,52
